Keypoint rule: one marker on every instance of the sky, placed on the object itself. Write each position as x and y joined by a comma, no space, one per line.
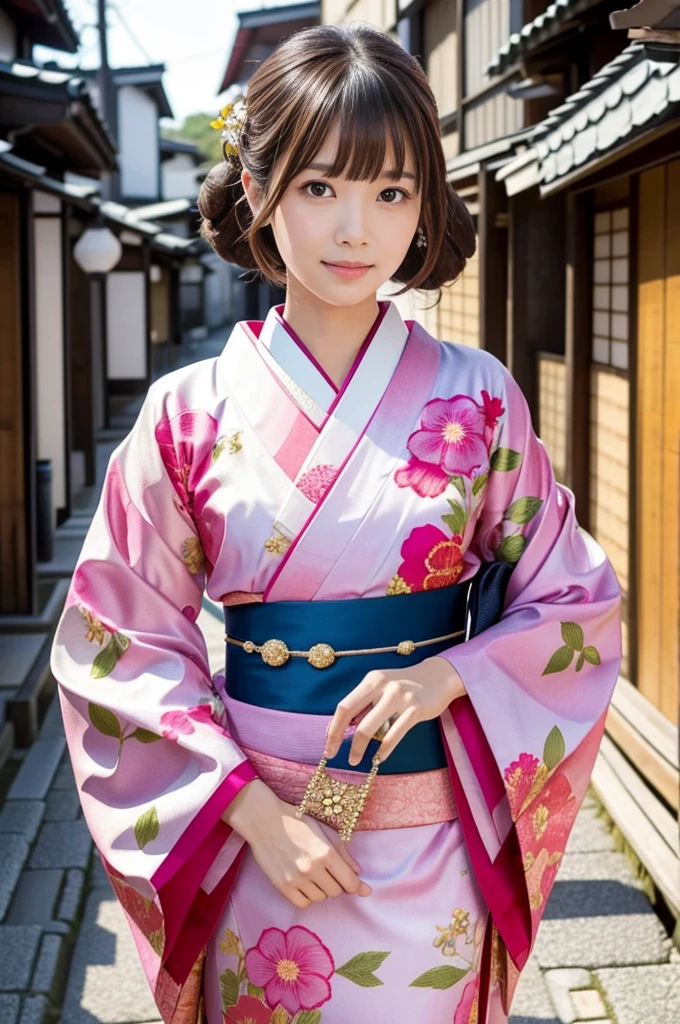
193,40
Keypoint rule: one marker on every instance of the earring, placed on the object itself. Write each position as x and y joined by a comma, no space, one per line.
421,240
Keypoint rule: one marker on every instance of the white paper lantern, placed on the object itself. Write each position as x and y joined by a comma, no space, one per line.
97,250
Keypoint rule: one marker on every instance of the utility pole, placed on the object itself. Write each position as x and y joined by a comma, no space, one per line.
107,94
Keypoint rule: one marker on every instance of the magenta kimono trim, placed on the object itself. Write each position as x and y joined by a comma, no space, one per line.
248,477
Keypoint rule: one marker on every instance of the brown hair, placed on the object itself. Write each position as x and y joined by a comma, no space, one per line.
371,85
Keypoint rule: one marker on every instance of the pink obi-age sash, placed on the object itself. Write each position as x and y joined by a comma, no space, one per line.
393,801
284,748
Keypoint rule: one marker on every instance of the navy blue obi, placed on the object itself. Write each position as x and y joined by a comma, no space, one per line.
356,623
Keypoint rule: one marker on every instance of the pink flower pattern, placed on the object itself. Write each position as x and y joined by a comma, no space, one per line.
176,722
454,439
316,481
293,968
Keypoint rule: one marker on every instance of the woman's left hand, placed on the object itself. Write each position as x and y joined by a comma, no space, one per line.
411,695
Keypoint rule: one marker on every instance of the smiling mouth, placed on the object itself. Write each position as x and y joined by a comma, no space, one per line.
348,266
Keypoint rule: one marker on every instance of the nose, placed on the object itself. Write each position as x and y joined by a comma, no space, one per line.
352,225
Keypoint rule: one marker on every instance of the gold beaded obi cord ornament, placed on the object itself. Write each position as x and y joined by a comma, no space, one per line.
305,656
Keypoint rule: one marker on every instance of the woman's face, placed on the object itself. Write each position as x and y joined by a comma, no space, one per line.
321,221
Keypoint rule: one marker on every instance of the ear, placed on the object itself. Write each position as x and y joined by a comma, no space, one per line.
251,190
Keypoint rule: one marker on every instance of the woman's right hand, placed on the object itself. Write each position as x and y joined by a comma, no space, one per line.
295,854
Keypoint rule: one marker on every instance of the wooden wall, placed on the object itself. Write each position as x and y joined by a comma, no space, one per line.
459,307
439,44
552,410
15,497
487,27
610,478
658,432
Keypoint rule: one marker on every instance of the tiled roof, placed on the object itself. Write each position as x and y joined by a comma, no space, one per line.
542,27
74,86
626,98
65,87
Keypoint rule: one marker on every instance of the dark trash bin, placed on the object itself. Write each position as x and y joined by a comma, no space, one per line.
43,498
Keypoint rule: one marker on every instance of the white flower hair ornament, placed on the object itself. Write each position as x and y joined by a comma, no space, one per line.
230,122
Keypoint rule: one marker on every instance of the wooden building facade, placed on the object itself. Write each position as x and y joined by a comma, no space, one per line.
563,138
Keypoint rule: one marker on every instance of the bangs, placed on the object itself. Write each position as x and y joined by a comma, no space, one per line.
370,116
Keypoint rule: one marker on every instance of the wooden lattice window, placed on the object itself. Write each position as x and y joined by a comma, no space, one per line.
610,288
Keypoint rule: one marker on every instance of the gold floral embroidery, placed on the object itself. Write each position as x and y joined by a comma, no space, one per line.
157,941
95,629
234,442
231,943
540,820
192,555
117,645
397,586
277,543
460,922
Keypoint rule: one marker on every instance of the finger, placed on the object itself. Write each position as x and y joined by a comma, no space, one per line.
407,719
356,701
312,891
370,725
329,884
344,852
297,898
342,872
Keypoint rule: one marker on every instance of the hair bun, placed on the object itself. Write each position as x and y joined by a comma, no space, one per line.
225,214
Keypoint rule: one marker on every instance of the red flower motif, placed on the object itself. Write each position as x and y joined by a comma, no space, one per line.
292,967
544,814
548,819
452,435
431,558
316,481
520,776
248,1010
493,408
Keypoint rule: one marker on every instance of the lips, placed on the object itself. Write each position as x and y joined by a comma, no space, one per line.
350,266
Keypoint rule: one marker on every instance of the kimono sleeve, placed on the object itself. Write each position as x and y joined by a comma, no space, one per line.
154,765
523,740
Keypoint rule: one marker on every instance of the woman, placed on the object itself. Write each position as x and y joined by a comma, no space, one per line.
335,477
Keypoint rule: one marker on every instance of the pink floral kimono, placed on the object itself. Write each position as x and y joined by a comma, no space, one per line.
251,476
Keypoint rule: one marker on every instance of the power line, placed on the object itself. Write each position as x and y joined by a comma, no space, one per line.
195,56
133,37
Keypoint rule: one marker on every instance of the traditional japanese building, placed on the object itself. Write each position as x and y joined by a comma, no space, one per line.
563,138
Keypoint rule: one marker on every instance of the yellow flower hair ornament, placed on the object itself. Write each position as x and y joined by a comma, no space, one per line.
230,122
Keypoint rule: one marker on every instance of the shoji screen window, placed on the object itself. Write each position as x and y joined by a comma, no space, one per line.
610,288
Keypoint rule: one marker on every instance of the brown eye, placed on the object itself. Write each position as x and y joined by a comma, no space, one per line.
314,184
395,192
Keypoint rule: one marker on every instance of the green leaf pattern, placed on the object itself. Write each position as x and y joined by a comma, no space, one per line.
440,977
146,827
361,967
572,635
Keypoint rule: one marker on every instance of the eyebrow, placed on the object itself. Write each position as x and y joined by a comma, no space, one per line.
393,174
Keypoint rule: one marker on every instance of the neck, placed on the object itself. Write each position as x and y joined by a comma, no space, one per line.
333,334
